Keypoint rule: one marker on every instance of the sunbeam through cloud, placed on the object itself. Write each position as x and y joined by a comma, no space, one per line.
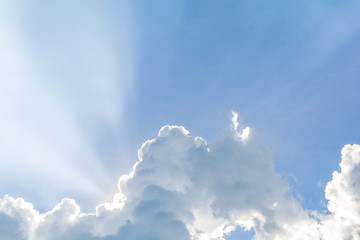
242,111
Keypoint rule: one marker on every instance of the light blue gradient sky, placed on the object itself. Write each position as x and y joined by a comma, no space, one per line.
82,85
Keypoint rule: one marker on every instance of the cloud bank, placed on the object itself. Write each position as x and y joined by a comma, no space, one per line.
183,188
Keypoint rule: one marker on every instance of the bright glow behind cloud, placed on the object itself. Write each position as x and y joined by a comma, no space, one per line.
48,94
182,188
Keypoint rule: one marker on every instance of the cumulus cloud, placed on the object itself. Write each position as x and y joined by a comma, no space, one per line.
343,195
182,188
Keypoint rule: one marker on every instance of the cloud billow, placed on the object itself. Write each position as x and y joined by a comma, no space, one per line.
182,188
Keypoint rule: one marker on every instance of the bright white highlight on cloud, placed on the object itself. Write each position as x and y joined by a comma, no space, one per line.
234,120
244,134
183,188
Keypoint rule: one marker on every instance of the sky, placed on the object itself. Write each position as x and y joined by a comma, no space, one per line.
179,119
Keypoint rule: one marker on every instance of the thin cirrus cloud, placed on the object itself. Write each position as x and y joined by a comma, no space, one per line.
183,188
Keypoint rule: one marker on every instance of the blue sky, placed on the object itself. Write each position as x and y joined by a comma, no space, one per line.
84,84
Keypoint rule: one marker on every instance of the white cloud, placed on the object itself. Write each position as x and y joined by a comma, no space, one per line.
183,188
244,134
18,218
343,195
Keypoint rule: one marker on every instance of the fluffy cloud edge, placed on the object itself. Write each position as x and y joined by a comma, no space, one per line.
182,188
